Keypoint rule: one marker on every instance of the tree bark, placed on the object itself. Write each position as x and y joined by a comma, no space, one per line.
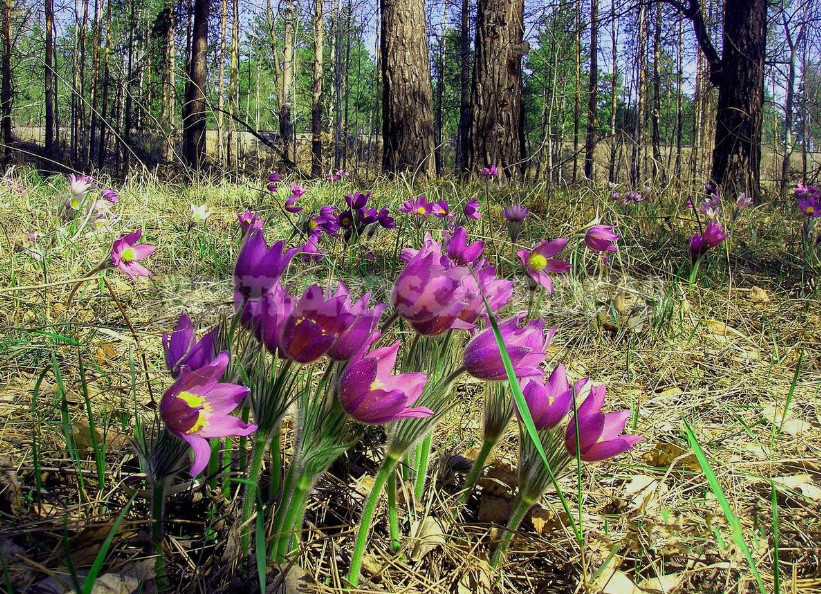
463,129
593,91
221,83
194,120
614,74
316,92
232,150
49,77
789,99
6,87
577,96
655,114
286,128
407,121
496,94
104,125
637,160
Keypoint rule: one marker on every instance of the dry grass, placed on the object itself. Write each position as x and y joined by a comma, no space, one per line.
721,354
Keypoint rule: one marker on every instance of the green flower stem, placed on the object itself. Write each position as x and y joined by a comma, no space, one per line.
296,512
226,463
213,464
422,466
282,510
276,463
158,532
487,446
387,469
260,442
393,518
694,270
520,508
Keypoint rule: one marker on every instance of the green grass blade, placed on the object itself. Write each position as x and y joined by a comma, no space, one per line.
776,568
715,487
88,584
259,545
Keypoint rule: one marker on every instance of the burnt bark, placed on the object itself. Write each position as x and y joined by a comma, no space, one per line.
496,93
49,77
407,119
194,116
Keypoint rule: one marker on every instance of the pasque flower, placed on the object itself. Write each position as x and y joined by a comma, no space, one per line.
525,345
370,394
549,402
314,325
110,195
700,243
515,216
197,406
200,214
290,204
599,433
440,209
79,186
489,172
266,315
601,238
184,351
538,261
258,266
743,201
472,209
357,201
125,252
359,335
458,249
250,221
418,206
809,200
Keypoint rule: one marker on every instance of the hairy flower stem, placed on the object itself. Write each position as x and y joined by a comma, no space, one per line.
260,441
158,532
520,508
423,450
388,467
393,517
276,463
470,483
694,270
292,523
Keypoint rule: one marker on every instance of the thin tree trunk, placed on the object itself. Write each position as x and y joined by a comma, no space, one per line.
221,83
126,131
593,91
792,45
440,97
49,76
577,97
614,74
104,124
679,83
194,123
316,92
407,121
463,129
658,172
286,129
232,153
637,161
5,91
96,39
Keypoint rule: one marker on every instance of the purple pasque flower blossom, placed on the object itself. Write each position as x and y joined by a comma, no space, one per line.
362,331
458,249
489,172
440,209
290,205
809,200
111,195
297,190
418,206
79,186
472,208
701,243
599,433
183,350
615,196
324,222
550,401
125,252
197,406
357,201
273,177
743,201
266,315
385,219
345,220
515,216
314,325
526,346
539,260
310,251
427,285
601,238
370,394
250,221
258,266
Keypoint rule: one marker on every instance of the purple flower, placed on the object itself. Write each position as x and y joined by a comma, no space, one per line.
809,200
196,408
515,216
459,251
526,347
125,252
538,261
325,222
548,402
259,267
296,190
425,287
615,196
184,351
601,238
599,433
250,221
385,219
370,394
472,209
345,219
79,186
311,252
362,331
314,325
273,177
266,315
357,201
743,201
700,244
489,172
289,204
110,195
440,209
418,206
272,188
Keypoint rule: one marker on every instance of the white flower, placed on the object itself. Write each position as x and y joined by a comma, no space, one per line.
200,213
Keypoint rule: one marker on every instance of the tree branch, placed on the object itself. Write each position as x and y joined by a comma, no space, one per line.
692,10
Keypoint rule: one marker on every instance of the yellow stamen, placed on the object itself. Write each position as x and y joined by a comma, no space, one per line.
537,262
128,254
377,385
313,224
204,412
421,210
809,210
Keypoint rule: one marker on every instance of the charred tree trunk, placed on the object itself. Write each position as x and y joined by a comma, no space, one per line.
316,92
497,86
593,91
194,120
407,121
614,73
463,130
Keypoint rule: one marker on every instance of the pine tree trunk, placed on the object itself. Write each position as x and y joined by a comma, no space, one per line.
679,83
194,120
96,40
232,152
316,92
497,86
286,129
440,97
658,171
614,74
407,121
5,88
789,99
637,160
463,129
577,96
104,124
221,83
49,76
593,91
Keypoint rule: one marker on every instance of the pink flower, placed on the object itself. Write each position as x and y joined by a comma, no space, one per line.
538,261
599,433
125,252
472,209
601,238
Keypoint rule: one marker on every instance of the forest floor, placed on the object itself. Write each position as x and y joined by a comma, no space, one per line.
736,354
